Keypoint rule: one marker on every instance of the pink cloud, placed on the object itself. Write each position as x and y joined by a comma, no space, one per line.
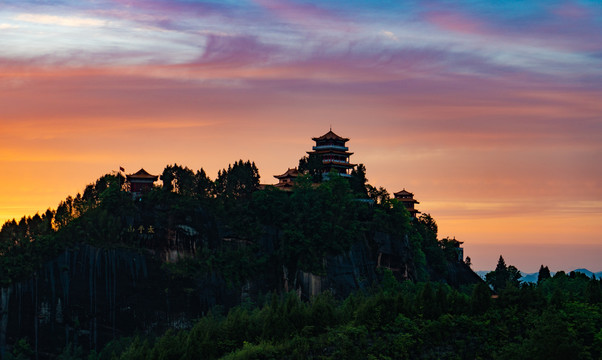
455,22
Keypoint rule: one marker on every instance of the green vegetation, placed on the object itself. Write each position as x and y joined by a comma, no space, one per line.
309,224
239,233
394,321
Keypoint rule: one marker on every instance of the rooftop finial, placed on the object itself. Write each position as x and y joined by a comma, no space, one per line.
330,127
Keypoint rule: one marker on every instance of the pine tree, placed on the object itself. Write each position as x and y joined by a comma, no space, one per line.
544,273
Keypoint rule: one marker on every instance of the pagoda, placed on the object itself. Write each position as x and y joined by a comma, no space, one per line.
287,180
141,181
331,148
407,199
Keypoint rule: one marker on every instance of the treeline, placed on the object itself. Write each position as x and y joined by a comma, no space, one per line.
91,217
246,233
559,318
316,220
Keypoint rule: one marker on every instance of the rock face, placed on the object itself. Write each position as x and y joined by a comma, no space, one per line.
87,296
359,267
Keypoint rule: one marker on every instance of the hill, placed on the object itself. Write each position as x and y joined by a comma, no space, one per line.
110,262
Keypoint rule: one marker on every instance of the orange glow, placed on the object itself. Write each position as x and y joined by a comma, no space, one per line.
497,134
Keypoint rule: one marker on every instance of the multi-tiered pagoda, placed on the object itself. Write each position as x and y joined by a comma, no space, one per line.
407,199
331,149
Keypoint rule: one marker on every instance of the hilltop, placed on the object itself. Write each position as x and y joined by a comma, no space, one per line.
229,268
112,260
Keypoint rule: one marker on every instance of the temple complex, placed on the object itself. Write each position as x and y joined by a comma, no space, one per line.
331,148
141,181
287,180
407,199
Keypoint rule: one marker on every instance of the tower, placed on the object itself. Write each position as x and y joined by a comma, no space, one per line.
331,149
407,199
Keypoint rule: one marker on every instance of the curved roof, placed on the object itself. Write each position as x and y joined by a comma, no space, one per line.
142,174
289,173
403,192
330,136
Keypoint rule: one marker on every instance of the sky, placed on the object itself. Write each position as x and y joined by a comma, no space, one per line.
489,112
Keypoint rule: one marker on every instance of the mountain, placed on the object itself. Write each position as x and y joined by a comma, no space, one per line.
110,262
532,277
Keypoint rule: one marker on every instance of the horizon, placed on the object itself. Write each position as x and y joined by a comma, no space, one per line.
488,113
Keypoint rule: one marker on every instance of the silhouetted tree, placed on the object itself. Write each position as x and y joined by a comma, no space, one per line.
503,275
312,165
429,223
179,179
450,248
358,181
239,180
168,177
544,273
380,195
204,185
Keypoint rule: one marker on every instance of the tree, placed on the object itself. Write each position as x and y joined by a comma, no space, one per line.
238,181
468,261
450,248
544,273
503,275
358,181
428,222
185,181
313,166
179,179
204,185
167,177
380,195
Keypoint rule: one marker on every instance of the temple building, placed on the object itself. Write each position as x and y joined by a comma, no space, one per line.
331,148
407,199
287,180
141,182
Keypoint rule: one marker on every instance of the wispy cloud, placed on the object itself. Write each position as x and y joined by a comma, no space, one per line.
60,20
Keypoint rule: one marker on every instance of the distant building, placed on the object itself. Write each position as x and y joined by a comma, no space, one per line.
407,199
287,180
141,182
331,148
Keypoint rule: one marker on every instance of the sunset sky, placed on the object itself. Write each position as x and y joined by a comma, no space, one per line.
490,112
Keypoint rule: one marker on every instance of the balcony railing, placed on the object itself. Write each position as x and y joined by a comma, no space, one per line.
333,161
330,147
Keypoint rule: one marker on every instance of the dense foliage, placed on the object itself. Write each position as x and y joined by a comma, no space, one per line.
310,223
239,231
561,318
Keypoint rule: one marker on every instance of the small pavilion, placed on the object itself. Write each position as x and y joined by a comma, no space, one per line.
141,181
407,199
287,180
